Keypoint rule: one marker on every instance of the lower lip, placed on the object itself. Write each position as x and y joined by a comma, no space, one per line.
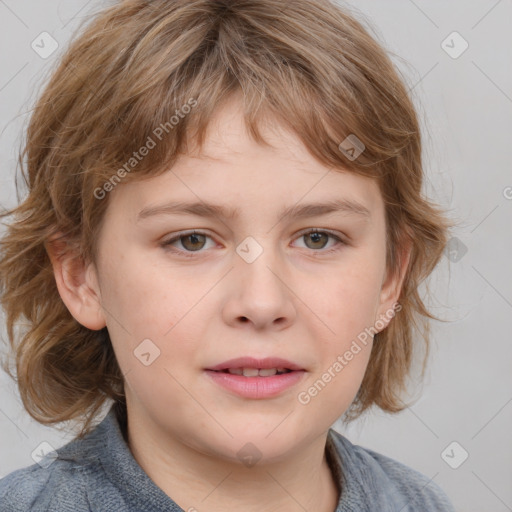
256,387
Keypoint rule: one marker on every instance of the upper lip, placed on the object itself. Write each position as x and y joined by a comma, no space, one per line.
252,362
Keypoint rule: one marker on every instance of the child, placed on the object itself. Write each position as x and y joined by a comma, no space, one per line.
279,139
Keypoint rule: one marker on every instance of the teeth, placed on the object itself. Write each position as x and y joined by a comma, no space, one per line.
255,372
251,372
267,372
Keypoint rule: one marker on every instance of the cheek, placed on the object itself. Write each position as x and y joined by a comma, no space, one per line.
334,385
146,298
142,303
350,303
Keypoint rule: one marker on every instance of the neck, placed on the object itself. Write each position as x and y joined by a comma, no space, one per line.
195,480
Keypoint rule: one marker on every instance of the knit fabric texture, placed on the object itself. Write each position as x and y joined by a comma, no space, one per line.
99,473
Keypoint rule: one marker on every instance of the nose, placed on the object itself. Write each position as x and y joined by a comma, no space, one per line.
260,294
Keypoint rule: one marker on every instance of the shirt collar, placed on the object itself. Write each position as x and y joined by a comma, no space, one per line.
351,474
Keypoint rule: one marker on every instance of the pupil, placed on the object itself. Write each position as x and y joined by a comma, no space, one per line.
316,237
198,238
194,237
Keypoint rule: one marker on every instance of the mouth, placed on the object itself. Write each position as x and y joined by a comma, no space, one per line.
256,378
254,367
256,372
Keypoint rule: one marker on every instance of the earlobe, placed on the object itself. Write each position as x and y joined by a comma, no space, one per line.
77,284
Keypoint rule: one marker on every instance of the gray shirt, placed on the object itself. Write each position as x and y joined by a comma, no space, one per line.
98,473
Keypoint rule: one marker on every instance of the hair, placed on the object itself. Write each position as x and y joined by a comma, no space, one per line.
132,70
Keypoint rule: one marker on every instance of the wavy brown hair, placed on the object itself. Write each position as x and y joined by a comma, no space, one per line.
307,63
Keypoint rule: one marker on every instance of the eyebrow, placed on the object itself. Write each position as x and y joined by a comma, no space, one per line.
202,209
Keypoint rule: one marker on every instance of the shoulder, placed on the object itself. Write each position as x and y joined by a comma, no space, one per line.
36,487
417,488
55,483
19,489
60,482
384,476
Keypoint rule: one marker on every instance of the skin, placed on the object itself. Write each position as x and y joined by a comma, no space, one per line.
295,301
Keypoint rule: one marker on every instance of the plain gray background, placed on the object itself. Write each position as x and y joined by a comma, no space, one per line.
465,101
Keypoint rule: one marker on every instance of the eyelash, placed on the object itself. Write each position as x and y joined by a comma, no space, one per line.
190,254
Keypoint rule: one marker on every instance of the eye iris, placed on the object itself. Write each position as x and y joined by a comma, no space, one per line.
319,240
194,237
317,237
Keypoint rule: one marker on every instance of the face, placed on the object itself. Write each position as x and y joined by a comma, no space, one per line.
250,283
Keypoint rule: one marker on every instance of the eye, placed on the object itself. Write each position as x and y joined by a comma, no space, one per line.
317,240
192,242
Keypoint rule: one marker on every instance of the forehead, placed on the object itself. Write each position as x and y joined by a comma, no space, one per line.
227,138
231,172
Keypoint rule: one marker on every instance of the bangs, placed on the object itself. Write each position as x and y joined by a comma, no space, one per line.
326,95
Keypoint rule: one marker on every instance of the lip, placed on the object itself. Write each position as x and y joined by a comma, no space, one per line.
252,362
256,387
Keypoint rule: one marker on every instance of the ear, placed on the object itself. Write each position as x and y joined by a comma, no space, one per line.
77,283
392,286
